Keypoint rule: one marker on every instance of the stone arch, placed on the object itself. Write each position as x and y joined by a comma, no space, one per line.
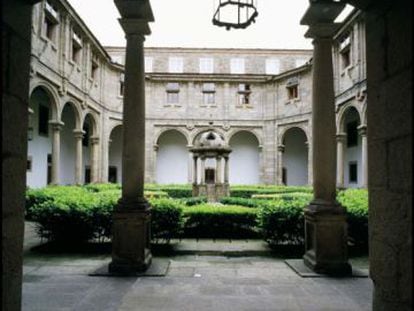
236,131
53,95
115,145
172,160
76,110
94,121
285,129
167,129
244,160
341,116
295,157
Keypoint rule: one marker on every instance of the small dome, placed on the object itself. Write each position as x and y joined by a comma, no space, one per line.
211,139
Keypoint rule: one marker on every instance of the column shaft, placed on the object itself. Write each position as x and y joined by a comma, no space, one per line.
340,159
203,171
280,150
133,157
218,170
195,177
56,127
94,159
226,170
78,160
364,165
323,121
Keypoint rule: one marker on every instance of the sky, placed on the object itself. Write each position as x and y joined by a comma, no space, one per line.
187,23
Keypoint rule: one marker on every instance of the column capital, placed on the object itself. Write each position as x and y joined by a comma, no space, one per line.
135,27
94,140
362,129
78,133
340,137
281,148
56,125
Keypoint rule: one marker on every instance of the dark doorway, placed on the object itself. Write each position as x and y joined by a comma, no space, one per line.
210,175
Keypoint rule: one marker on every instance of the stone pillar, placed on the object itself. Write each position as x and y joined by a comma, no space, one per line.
78,161
219,170
195,177
340,140
364,156
154,163
280,150
189,168
94,140
310,164
325,219
56,128
226,170
131,229
203,171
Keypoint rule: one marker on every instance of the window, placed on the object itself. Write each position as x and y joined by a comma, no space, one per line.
29,164
94,68
244,94
112,174
121,85
209,90
43,120
272,66
352,134
345,52
76,48
292,92
206,65
85,139
148,64
353,172
87,174
237,65
173,90
51,22
175,64
49,169
292,88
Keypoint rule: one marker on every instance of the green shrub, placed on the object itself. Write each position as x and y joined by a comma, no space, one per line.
194,200
356,203
282,221
248,191
283,196
166,219
174,190
240,201
217,221
102,187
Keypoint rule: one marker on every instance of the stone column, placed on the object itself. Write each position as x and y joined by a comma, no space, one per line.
56,128
203,170
94,140
280,150
190,172
340,140
226,170
219,171
310,167
364,165
195,177
131,229
325,219
154,163
78,161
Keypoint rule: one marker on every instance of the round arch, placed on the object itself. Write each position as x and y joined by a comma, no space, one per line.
93,118
244,160
168,129
172,161
234,132
197,134
284,130
76,110
52,94
342,114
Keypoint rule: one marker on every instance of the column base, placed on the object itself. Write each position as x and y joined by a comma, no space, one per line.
131,251
326,239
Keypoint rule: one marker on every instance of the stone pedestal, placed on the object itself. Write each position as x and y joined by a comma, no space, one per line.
213,192
326,239
131,239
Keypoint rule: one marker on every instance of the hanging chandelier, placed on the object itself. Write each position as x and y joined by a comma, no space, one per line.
238,14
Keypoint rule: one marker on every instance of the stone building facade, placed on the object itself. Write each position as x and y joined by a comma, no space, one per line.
259,100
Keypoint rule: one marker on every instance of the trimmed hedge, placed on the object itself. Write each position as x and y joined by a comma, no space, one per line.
356,203
75,213
249,191
220,221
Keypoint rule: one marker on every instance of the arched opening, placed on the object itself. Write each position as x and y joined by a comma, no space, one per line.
115,155
172,158
87,149
68,145
352,163
295,158
244,159
39,151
